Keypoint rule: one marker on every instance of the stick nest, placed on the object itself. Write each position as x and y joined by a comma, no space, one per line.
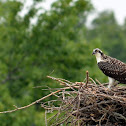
86,104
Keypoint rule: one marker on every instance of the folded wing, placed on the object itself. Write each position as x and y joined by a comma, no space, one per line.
114,69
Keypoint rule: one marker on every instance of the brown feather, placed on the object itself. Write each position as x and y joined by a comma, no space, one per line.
113,68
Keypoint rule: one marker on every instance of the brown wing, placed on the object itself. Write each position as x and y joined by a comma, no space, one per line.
114,68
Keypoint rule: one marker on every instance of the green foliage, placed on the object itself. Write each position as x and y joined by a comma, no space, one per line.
110,33
59,44
29,53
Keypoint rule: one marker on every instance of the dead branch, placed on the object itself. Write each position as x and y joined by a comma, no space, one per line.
87,78
37,101
91,105
83,103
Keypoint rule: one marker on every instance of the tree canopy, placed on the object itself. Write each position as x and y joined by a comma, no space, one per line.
58,44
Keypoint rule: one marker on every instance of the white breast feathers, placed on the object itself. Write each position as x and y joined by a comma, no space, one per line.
98,57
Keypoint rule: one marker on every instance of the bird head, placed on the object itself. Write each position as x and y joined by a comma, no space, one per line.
98,54
97,51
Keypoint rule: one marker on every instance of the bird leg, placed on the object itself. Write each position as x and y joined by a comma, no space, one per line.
112,82
116,83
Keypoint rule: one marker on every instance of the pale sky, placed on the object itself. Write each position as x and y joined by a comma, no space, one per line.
118,6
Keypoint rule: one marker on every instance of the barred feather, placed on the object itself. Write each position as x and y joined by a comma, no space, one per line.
113,68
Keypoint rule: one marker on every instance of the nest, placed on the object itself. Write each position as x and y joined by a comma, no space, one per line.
86,104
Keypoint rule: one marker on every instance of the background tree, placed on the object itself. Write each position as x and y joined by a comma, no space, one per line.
58,44
110,33
31,52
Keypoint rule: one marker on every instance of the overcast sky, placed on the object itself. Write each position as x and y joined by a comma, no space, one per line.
118,6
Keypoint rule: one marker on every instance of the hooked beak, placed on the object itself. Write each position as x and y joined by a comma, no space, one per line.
93,53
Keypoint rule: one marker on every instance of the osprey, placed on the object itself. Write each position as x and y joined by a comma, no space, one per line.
111,67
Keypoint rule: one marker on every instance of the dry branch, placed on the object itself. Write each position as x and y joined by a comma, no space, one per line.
37,101
91,104
84,103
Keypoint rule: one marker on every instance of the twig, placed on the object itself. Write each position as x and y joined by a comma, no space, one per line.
87,78
103,116
91,104
92,80
78,116
45,117
120,99
35,101
60,80
119,115
99,82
